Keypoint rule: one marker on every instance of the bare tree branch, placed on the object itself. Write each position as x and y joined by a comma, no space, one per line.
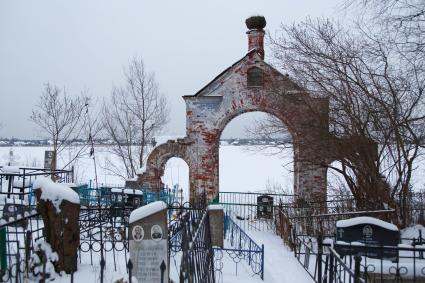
62,118
135,113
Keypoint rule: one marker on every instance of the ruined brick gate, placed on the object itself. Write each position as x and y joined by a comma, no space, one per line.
248,85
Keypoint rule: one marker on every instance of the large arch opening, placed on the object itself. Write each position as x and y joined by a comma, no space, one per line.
256,155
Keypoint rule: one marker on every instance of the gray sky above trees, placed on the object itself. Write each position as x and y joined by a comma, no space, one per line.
84,45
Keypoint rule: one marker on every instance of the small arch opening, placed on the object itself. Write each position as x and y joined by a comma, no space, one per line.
176,178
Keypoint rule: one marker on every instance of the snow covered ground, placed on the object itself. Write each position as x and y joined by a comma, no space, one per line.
280,265
242,169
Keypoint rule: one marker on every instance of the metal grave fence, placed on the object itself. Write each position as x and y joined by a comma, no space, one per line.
238,246
252,211
197,262
324,264
19,236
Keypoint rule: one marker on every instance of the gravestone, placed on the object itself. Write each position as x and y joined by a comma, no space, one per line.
353,234
59,206
14,208
130,184
48,159
148,235
128,197
264,206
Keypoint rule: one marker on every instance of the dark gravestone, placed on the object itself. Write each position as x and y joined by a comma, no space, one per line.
132,185
265,206
116,210
123,201
134,200
15,208
353,234
127,197
61,229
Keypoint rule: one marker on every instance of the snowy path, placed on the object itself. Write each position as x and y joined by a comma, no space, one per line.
279,263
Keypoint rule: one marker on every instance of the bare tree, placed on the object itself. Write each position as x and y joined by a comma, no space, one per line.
135,113
62,118
376,104
401,20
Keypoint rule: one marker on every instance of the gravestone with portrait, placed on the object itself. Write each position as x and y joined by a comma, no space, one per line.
48,158
358,235
14,208
265,206
148,235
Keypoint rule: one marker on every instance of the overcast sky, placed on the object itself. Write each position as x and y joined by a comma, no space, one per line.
84,45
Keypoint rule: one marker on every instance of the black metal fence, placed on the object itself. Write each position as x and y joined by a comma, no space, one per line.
103,234
19,237
324,224
197,263
323,264
320,259
17,181
182,220
103,244
238,246
249,211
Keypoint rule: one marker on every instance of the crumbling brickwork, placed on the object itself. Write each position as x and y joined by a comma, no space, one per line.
227,96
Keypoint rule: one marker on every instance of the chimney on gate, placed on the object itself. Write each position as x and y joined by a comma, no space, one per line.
256,25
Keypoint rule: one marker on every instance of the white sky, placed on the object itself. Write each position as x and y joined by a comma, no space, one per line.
84,45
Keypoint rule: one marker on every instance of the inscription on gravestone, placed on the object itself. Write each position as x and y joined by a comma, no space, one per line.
148,236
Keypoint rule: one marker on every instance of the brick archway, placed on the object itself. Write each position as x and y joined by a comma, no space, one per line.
155,165
248,85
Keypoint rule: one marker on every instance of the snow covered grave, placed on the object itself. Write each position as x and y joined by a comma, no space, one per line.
361,231
59,207
55,192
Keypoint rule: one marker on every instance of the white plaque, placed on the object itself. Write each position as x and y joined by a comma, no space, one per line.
152,263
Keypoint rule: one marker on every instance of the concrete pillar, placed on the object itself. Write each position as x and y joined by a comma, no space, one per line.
216,215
